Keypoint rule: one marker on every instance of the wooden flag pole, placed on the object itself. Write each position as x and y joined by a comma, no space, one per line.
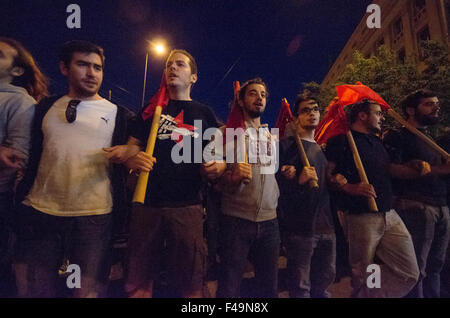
141,186
418,133
244,148
360,169
302,153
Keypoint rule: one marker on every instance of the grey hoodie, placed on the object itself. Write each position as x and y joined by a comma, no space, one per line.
256,201
16,116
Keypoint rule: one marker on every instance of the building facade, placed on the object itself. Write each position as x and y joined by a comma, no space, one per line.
404,24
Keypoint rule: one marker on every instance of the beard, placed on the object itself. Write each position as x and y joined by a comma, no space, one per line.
426,120
254,113
309,127
375,130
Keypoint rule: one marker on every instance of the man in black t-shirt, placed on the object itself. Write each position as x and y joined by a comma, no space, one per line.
372,235
422,202
305,218
170,222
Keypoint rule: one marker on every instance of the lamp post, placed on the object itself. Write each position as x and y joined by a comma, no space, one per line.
159,49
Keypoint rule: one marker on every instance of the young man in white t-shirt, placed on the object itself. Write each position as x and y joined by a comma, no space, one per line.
71,188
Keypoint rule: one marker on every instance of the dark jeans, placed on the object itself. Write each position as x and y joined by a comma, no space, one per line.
311,264
429,227
6,238
45,240
242,240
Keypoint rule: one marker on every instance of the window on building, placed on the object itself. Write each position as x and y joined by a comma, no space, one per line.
420,9
379,43
447,6
402,55
397,30
422,36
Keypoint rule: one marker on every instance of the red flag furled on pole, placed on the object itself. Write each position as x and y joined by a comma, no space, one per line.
161,98
334,122
236,120
284,117
154,109
351,94
236,117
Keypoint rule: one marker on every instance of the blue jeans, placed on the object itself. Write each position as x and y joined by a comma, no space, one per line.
311,264
430,230
45,240
243,240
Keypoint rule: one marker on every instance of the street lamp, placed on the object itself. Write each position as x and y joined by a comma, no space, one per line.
159,49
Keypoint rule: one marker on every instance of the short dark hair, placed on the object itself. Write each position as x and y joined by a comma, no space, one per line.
413,99
257,80
360,107
192,62
303,97
82,46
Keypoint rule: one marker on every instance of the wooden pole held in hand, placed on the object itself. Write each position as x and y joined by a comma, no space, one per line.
359,167
418,133
244,145
302,153
141,186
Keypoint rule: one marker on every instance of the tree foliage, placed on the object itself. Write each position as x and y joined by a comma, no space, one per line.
393,78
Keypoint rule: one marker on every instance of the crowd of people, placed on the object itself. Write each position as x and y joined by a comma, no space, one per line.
65,162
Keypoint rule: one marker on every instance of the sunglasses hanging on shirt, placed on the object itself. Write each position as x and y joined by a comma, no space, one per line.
71,110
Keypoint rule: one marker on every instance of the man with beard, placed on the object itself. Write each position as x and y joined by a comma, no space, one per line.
421,202
249,227
306,222
374,237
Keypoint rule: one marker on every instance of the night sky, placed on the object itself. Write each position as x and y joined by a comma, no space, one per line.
286,42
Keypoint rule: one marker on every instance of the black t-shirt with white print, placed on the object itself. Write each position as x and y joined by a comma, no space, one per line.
174,184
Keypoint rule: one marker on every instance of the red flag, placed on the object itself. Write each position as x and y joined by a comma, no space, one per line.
334,122
351,94
284,117
161,98
236,117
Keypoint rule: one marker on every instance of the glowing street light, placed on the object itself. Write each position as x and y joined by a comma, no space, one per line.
159,48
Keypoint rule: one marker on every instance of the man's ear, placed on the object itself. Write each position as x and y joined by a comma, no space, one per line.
63,68
17,71
240,103
363,116
411,111
194,78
